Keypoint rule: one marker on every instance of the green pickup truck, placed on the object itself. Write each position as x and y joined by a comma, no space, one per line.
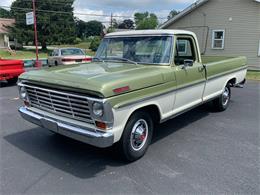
136,79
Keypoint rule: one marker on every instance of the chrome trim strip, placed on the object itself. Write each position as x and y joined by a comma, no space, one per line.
83,134
226,73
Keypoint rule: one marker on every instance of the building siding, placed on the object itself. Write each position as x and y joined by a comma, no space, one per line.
239,18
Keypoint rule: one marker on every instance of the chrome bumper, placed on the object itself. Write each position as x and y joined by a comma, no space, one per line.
82,134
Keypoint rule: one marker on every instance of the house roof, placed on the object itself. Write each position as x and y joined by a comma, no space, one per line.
186,11
4,22
148,33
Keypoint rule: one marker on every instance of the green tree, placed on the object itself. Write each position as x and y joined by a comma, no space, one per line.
126,24
146,20
5,13
94,28
95,42
172,14
81,27
56,25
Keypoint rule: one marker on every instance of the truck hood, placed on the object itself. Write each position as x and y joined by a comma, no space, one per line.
101,77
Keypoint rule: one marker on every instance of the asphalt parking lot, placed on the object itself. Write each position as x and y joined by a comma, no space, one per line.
198,152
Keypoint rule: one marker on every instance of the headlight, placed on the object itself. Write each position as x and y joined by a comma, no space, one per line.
98,109
23,94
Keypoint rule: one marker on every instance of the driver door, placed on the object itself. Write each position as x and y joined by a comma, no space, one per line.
190,74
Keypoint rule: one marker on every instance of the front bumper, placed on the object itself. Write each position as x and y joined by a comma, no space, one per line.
95,138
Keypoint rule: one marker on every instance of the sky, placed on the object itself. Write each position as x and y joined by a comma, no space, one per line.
122,7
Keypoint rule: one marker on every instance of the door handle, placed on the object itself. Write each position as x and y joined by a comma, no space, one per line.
201,69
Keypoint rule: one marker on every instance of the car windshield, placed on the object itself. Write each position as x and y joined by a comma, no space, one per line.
143,49
71,51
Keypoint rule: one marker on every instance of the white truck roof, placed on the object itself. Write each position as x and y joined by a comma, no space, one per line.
149,32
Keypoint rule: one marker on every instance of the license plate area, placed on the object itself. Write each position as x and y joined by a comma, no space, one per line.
49,124
78,60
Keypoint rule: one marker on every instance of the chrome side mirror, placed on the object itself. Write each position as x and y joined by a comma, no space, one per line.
187,63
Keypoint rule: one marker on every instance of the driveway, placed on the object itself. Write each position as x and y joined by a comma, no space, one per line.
198,152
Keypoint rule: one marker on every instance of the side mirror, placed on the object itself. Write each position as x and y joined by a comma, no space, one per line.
187,63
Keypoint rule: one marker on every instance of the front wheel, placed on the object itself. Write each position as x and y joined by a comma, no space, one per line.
222,102
136,137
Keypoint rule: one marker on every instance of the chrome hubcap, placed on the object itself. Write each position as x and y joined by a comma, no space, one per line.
225,96
139,134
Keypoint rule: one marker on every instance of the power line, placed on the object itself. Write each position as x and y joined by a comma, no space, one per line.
75,13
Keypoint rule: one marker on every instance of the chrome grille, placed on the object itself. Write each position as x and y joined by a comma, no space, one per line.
60,103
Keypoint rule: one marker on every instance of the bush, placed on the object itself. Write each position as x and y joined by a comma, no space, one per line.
94,43
77,40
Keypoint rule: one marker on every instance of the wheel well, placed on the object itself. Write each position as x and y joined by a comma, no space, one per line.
152,110
232,82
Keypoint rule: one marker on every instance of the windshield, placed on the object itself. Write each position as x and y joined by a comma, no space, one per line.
71,51
144,49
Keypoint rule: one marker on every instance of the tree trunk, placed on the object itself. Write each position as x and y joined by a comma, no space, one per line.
44,45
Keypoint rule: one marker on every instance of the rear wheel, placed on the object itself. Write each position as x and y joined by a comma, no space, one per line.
222,102
136,137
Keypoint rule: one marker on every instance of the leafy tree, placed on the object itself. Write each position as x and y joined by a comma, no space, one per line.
5,13
81,27
56,25
172,14
93,28
126,24
146,20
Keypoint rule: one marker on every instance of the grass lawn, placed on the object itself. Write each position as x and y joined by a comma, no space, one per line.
21,54
253,75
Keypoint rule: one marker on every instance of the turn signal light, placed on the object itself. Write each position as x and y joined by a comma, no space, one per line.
26,103
101,125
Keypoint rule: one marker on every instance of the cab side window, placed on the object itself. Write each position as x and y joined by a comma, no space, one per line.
185,50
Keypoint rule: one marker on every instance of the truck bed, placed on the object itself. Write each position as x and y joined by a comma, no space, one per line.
212,59
220,65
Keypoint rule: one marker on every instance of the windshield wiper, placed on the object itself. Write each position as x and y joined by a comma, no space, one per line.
123,59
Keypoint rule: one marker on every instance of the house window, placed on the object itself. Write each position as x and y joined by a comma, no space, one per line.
218,39
182,46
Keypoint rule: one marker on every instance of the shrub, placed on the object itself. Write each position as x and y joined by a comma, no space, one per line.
77,40
94,43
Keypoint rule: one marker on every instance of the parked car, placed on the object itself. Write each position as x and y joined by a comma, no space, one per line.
137,79
67,56
10,70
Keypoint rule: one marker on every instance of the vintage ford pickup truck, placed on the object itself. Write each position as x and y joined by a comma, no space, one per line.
137,79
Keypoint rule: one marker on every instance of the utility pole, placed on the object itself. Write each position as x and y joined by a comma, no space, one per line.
37,63
111,21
